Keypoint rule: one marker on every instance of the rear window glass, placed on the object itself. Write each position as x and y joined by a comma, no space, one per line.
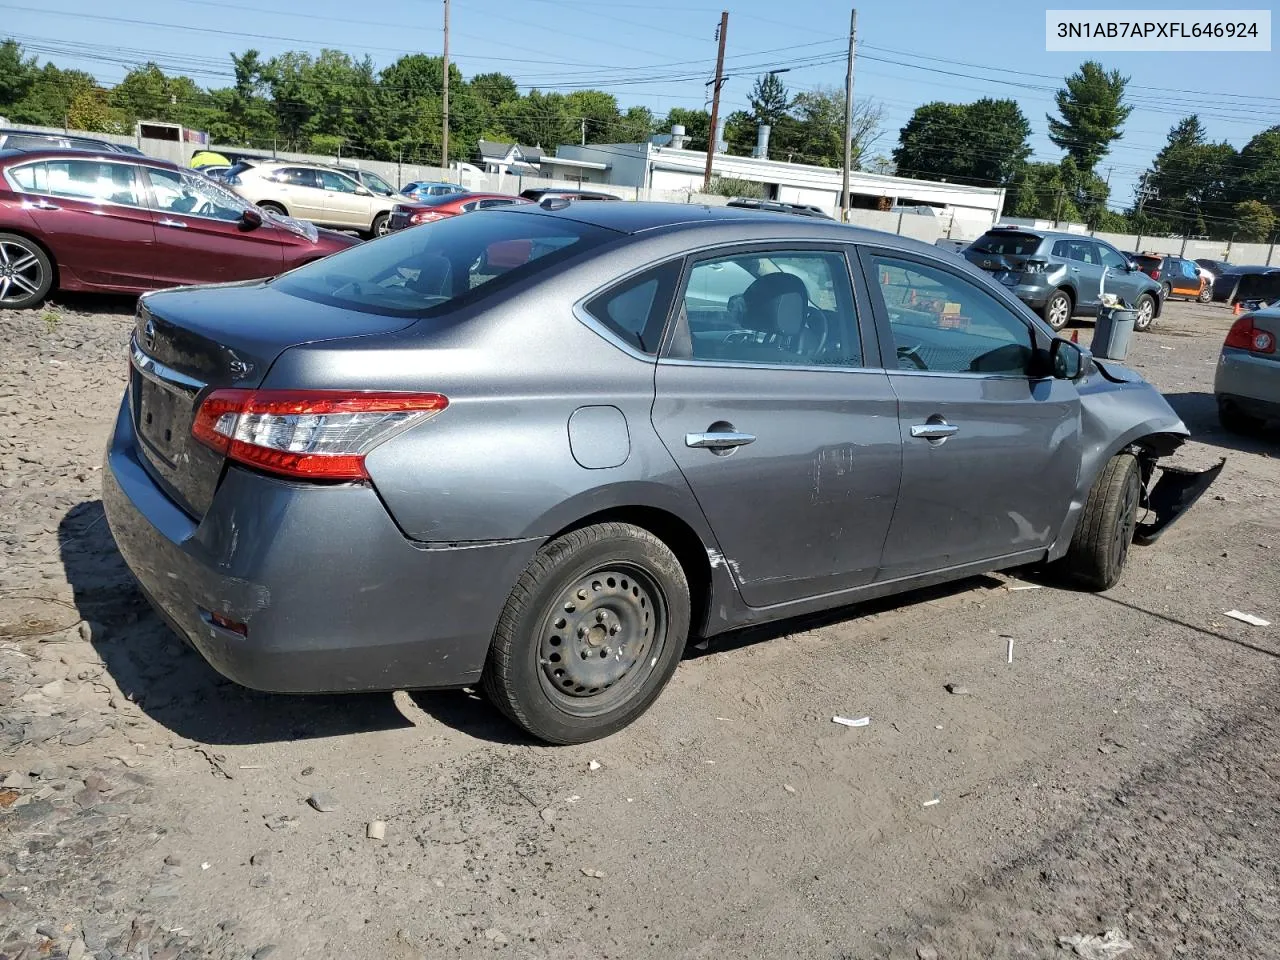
636,309
439,266
1009,244
1147,264
18,141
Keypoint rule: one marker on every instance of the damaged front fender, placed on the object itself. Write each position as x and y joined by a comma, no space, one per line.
1171,496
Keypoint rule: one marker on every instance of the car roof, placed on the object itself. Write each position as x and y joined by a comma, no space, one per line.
58,153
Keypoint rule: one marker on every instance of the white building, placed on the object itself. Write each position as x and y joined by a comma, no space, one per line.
663,168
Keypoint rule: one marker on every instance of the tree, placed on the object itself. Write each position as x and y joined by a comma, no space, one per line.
1092,110
1259,169
494,89
769,100
598,110
1043,191
1192,181
982,143
696,123
91,110
16,74
1255,221
818,130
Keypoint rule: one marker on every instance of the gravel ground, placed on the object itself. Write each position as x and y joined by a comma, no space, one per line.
1119,775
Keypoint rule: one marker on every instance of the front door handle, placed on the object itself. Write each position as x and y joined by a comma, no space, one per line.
43,205
717,440
166,222
934,431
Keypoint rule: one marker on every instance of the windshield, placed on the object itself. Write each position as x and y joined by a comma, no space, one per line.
1147,263
1009,244
377,184
439,266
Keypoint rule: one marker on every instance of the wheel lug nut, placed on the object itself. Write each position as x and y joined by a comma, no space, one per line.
613,630
601,616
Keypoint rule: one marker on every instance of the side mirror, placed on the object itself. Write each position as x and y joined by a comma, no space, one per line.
1130,266
362,192
251,219
1066,360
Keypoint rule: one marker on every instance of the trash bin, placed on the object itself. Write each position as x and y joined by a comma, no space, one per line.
1112,333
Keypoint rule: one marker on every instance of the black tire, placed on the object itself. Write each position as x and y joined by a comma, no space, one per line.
1234,420
1146,310
543,654
1166,290
1100,545
379,226
274,207
26,273
1206,293
1057,309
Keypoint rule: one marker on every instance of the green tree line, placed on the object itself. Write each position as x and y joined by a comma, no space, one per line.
331,102
1193,187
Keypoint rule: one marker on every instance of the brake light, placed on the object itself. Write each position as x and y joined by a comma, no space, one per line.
1154,274
427,216
308,434
1243,335
1035,266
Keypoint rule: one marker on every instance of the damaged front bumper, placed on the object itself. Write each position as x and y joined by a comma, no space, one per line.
1171,496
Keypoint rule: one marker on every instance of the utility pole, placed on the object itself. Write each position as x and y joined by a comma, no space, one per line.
444,134
584,131
715,100
848,119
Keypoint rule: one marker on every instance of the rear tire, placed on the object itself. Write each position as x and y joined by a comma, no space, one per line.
1235,421
1100,545
590,635
1166,290
1146,309
1057,309
274,207
26,273
1206,293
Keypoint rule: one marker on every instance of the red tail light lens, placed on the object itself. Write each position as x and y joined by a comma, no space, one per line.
427,216
308,434
1243,335
1154,274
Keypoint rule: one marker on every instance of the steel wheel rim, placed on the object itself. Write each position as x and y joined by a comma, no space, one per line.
1058,312
602,639
1206,294
1128,521
21,273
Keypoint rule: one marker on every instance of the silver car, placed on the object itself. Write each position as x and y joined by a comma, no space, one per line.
542,448
1247,383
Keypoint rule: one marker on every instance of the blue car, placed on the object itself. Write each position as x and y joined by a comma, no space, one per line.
423,189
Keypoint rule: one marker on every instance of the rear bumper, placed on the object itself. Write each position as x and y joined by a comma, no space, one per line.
333,595
1250,381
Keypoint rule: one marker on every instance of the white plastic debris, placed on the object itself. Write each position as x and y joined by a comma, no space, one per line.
1248,618
1026,586
594,874
1093,947
1009,651
594,765
931,803
376,830
846,722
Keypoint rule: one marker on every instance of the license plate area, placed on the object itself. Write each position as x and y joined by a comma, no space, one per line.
162,418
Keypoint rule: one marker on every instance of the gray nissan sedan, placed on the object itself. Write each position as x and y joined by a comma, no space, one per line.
542,448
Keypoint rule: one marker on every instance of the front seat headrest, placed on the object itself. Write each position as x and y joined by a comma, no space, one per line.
776,303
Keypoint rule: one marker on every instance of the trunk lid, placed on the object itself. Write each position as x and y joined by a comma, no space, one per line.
1005,253
186,342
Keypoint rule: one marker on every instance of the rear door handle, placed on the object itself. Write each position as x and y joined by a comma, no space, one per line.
43,205
934,431
713,441
166,222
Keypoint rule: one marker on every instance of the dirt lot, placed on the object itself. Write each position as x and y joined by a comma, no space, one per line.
1120,774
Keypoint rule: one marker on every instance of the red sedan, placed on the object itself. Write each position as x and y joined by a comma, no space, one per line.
441,208
114,223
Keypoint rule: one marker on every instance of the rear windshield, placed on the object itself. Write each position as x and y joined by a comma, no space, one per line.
1009,244
427,270
1147,263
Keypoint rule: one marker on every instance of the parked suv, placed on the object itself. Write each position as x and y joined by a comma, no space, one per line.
309,191
1177,277
1062,275
371,182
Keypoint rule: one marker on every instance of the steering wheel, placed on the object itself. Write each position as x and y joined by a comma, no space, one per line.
813,312
912,353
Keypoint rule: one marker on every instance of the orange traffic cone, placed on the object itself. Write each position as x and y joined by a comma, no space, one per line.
1237,309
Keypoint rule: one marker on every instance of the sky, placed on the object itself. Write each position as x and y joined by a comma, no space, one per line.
662,54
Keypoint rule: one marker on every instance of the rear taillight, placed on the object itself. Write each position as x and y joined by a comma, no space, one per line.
1035,266
308,434
427,216
1154,274
1243,335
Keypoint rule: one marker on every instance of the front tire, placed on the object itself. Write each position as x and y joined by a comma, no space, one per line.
1206,293
274,207
1057,310
380,227
1146,310
590,635
26,274
1100,545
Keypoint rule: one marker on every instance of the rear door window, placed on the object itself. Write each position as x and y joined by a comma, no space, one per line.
297,177
636,309
89,180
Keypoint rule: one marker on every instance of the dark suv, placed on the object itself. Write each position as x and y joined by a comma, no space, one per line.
1063,275
36,140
